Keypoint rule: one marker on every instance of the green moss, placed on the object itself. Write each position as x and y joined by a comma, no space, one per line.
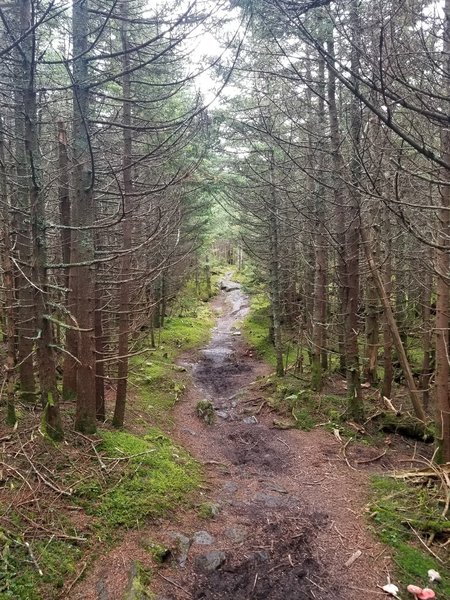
305,408
153,478
160,477
20,580
158,552
255,328
139,581
395,505
205,411
208,511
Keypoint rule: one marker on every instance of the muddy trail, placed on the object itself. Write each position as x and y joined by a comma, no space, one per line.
281,515
288,513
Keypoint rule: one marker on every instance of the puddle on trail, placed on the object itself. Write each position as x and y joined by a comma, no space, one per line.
217,374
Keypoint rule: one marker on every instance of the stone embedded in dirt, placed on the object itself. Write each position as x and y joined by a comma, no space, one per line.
269,500
235,534
210,562
250,420
181,549
223,414
203,538
189,431
136,584
230,487
102,592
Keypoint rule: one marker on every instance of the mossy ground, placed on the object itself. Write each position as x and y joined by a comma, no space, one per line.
144,475
396,506
160,477
160,382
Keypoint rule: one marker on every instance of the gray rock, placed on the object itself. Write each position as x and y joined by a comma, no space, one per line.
269,500
102,591
189,431
250,420
203,538
261,556
182,545
136,583
222,414
235,534
230,487
210,562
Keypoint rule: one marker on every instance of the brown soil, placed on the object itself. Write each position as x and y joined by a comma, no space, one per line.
291,511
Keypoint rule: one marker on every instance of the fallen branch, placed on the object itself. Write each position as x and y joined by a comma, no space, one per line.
369,460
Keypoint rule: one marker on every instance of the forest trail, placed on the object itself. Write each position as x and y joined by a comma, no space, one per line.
291,512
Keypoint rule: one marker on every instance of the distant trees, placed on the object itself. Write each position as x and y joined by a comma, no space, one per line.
359,139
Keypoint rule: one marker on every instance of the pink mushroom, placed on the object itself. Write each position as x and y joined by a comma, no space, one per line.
415,590
426,594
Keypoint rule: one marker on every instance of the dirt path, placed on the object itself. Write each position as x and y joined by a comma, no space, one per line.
291,512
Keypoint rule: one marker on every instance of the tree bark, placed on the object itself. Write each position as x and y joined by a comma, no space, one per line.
125,271
339,201
8,283
389,315
83,268
320,253
71,338
355,403
442,268
25,326
45,345
274,268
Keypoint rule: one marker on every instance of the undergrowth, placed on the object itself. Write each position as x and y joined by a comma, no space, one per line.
400,512
160,382
304,409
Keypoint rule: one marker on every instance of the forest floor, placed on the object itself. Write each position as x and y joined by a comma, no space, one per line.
282,513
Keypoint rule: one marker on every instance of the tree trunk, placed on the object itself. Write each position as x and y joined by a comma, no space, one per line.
355,404
83,268
427,338
45,347
442,268
274,268
8,283
125,271
372,333
100,409
339,201
71,338
25,325
387,282
389,315
320,253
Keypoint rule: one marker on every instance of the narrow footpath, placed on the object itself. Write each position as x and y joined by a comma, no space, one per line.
290,512
281,517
